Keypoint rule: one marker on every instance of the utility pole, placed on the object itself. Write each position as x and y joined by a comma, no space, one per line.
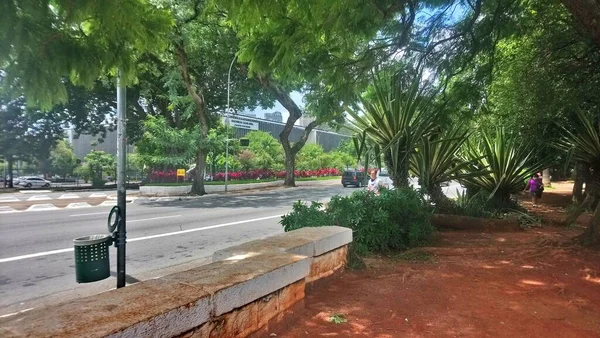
121,170
227,122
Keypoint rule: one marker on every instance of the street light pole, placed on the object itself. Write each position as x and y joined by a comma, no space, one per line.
121,169
227,122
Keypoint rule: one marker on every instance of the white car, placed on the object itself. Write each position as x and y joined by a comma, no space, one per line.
385,179
32,182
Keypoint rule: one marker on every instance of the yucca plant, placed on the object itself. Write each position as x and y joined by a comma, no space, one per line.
437,160
584,146
507,161
395,118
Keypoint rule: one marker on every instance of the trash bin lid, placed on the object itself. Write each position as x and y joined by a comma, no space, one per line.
89,240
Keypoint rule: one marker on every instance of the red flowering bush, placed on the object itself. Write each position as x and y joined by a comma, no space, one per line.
170,176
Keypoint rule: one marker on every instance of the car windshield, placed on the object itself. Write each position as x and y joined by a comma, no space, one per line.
348,173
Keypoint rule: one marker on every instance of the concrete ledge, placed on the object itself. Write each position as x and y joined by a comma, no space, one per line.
310,242
155,190
234,297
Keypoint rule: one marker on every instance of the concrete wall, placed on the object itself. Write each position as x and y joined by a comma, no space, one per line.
154,190
246,289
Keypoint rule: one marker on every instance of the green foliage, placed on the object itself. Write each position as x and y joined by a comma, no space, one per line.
509,164
394,220
338,318
98,162
267,150
98,182
62,158
584,144
44,42
437,160
163,146
395,117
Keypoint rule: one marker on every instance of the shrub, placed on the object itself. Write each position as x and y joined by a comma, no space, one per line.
98,183
397,219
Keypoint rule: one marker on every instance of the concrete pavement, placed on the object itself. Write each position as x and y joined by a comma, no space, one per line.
164,236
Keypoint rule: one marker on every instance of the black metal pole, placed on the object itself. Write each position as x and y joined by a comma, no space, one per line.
121,193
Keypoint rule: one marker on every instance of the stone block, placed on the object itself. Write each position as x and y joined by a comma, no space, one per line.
153,308
235,283
327,264
237,323
290,295
308,242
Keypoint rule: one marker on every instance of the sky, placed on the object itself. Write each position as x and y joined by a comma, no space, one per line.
260,112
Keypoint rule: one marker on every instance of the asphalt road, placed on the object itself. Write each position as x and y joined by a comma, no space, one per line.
37,260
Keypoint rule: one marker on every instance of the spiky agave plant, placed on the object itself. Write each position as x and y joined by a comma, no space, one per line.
395,118
507,162
437,160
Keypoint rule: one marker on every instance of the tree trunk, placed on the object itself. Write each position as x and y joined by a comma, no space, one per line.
577,195
198,185
437,196
546,177
592,235
200,109
10,172
398,173
290,166
591,198
290,151
587,15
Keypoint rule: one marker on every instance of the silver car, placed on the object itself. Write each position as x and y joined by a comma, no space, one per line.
31,182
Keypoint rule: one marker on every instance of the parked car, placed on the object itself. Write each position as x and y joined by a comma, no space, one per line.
385,179
354,177
31,182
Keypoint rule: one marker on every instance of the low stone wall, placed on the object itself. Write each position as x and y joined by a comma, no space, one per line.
246,288
156,190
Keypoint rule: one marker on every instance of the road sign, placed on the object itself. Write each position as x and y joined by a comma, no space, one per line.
180,172
241,123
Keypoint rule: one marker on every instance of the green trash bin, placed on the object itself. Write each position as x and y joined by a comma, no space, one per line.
91,258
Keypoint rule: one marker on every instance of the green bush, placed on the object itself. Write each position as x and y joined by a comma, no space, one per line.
397,219
98,183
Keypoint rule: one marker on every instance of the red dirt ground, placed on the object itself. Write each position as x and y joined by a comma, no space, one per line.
535,283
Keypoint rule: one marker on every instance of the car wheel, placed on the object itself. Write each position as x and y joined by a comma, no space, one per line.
360,184
345,185
28,185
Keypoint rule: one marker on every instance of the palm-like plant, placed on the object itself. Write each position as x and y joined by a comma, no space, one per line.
509,164
395,118
437,160
585,145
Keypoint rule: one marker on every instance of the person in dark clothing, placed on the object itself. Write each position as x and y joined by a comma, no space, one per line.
534,186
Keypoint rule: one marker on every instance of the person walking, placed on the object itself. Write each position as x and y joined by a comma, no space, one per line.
374,183
533,188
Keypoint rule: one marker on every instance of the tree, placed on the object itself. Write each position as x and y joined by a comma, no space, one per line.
99,163
246,159
62,159
267,150
306,46
164,147
44,42
27,133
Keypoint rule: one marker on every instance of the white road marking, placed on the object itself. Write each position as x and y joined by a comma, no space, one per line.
200,229
90,214
9,199
42,207
68,196
16,313
109,203
54,252
97,195
39,198
78,205
152,219
6,210
34,191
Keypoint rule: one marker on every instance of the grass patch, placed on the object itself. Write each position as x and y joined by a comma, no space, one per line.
338,318
415,256
322,178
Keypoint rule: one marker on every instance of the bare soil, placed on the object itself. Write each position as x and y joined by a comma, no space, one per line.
532,283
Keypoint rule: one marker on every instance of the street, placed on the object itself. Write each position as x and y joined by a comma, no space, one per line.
37,260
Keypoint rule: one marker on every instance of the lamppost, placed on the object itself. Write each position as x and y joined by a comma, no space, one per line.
227,123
